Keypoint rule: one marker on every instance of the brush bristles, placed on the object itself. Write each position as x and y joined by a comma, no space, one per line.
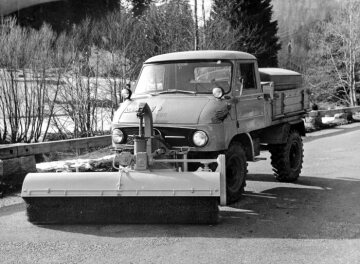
122,210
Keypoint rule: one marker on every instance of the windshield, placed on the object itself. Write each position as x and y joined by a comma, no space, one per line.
199,77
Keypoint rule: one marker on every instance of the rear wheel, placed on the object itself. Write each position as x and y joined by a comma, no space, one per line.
287,158
236,169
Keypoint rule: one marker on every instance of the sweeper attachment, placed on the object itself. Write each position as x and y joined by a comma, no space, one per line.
138,192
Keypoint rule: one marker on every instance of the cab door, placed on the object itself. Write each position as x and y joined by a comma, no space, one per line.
250,102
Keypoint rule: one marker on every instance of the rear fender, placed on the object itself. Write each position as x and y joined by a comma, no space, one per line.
299,126
275,134
279,134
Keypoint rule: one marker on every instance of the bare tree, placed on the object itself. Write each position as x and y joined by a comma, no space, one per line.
337,42
25,98
120,40
196,26
168,28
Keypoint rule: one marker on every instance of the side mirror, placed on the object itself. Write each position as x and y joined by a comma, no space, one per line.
241,85
126,93
268,89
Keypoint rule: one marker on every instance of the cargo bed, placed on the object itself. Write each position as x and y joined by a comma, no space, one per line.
290,96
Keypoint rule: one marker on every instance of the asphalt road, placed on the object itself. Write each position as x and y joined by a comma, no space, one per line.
316,220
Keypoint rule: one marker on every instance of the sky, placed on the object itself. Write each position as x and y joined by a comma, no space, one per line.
207,5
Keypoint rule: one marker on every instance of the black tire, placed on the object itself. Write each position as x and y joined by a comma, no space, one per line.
287,158
236,170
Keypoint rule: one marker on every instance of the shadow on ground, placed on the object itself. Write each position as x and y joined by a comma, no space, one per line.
313,208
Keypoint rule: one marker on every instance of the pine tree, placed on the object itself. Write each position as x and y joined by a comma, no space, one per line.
139,6
257,32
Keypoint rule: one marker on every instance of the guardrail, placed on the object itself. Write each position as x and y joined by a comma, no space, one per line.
314,119
22,149
333,112
16,160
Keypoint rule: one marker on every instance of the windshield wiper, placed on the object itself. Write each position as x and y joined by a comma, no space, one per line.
176,91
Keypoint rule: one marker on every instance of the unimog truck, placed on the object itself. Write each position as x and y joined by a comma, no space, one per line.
206,103
182,138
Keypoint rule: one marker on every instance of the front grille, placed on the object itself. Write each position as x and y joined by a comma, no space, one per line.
130,133
176,137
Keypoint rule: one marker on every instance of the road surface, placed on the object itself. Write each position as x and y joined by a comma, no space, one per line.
316,220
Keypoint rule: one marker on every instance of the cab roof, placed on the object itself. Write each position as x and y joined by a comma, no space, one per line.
202,55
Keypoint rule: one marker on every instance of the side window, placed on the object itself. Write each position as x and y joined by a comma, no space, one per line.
248,74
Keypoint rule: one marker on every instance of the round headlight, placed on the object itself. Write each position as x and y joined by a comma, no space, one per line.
126,93
118,136
200,138
218,92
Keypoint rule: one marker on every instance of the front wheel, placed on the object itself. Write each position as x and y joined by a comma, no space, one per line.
236,169
287,158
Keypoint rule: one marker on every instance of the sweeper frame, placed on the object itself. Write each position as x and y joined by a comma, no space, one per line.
136,193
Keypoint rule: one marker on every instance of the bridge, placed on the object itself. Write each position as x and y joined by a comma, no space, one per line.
10,6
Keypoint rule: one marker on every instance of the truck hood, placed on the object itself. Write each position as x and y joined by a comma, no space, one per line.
175,109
